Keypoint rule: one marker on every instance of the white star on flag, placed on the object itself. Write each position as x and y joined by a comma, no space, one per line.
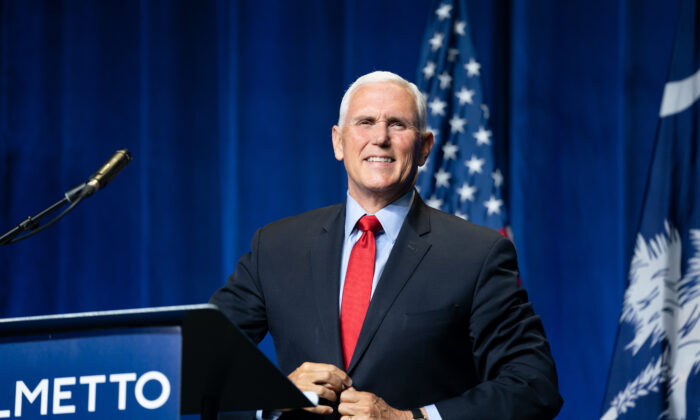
442,178
436,41
435,132
493,205
466,192
483,136
462,215
460,27
473,67
449,151
434,202
465,96
443,12
445,80
457,124
452,54
497,178
437,107
429,70
474,164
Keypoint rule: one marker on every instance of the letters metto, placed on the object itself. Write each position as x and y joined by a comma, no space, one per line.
62,392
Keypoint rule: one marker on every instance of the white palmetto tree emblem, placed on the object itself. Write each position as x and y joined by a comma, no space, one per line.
662,304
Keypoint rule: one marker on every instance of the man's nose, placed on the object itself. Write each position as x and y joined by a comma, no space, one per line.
380,134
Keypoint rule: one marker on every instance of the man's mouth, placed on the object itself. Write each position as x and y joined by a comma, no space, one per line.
379,159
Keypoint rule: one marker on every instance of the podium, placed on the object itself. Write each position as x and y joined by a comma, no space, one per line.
151,363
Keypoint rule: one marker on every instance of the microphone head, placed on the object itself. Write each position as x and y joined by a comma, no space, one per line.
110,169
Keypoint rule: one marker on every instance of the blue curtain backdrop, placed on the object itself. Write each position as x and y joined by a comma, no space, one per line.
227,108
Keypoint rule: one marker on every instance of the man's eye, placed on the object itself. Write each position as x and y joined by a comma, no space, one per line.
397,125
364,123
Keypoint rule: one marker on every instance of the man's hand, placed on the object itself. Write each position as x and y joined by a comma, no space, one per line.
325,380
366,405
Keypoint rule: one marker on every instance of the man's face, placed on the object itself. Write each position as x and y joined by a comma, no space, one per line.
380,142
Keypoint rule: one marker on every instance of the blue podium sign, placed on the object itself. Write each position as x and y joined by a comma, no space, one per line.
129,373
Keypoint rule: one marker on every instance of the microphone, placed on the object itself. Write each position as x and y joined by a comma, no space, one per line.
97,181
102,177
109,170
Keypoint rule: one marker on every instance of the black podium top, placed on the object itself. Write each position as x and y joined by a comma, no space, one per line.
220,364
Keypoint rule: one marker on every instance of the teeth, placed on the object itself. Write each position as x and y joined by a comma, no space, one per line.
379,159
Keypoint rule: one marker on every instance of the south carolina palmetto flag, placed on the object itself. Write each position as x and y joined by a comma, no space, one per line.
655,368
460,176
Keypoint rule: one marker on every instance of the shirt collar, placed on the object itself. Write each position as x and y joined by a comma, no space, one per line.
391,217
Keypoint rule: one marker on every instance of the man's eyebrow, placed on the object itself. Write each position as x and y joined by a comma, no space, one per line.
364,117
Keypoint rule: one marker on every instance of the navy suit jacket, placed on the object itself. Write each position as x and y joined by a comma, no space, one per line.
448,322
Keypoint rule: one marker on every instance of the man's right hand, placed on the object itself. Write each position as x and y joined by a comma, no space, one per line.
325,380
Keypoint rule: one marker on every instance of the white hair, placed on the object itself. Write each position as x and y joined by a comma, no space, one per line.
380,77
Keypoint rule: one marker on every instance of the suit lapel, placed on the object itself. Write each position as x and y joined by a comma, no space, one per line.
405,256
325,257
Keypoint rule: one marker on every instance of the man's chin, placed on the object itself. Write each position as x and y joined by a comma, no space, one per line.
386,192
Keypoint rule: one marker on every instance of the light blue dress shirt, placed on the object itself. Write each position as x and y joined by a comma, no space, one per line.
391,218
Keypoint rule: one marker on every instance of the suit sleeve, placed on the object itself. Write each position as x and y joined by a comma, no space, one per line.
242,299
511,353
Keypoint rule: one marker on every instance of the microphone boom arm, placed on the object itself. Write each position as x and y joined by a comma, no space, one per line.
74,196
31,223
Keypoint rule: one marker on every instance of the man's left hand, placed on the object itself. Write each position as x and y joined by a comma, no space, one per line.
365,405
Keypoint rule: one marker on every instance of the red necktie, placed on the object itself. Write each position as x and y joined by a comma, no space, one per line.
358,285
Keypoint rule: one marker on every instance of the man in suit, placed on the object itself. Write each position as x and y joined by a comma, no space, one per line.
386,307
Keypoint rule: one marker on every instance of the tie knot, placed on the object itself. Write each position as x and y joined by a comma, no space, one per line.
369,223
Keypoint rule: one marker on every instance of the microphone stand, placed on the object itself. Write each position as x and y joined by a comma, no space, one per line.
74,196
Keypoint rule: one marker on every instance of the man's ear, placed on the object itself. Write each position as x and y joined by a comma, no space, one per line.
425,147
337,142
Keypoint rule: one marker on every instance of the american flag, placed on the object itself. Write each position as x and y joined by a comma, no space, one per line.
460,175
655,371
